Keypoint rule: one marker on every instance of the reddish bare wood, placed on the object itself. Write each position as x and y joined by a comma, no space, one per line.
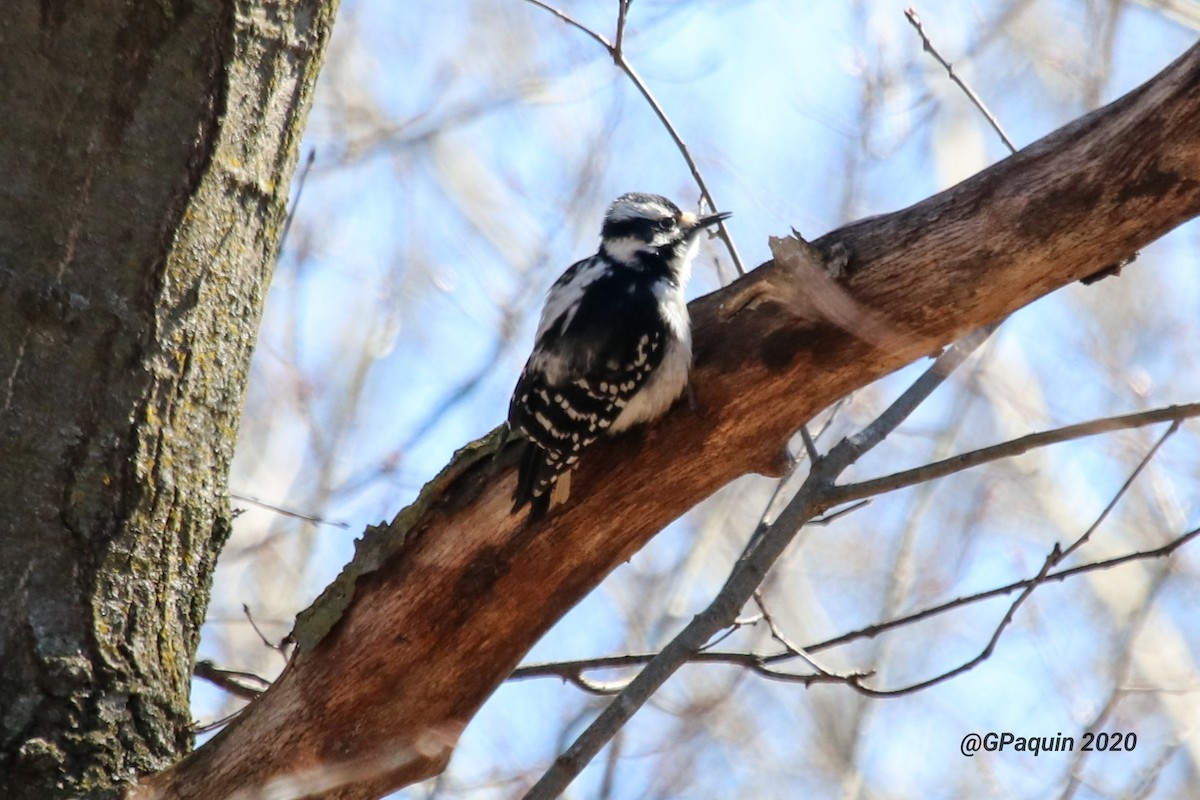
379,702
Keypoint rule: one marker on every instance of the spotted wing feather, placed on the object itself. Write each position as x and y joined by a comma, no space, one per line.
570,394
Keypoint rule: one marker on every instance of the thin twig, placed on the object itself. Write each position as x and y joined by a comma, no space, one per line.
1153,451
1009,449
280,648
776,632
254,501
572,671
574,23
850,449
737,625
291,215
201,729
871,631
722,228
833,516
911,15
810,449
1055,557
245,685
795,650
622,18
810,446
618,57
765,519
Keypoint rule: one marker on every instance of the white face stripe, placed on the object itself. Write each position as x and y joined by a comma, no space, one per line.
651,209
624,249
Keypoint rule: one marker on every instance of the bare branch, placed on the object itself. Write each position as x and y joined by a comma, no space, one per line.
833,516
574,23
1116,498
279,647
568,670
911,15
793,649
850,449
722,228
1009,449
301,180
618,57
572,671
287,512
1054,558
622,18
871,631
810,447
246,685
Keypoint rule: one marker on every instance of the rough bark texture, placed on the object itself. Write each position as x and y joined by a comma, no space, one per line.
146,153
440,606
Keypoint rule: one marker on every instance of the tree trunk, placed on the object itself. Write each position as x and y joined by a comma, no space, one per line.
146,153
437,608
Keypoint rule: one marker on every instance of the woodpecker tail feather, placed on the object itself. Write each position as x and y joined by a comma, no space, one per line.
535,478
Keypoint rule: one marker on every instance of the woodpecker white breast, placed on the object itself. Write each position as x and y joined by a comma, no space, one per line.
614,344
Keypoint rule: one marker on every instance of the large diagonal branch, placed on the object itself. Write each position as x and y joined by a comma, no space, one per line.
441,605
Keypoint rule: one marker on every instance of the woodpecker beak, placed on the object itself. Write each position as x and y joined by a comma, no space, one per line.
712,219
696,224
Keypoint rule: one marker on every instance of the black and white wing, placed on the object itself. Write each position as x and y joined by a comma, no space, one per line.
583,372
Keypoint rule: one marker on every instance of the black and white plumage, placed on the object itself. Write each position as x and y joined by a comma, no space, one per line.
614,344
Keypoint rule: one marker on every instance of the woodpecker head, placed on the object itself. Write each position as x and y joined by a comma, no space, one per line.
646,229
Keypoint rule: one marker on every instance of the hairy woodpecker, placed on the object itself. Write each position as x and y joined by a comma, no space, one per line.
614,344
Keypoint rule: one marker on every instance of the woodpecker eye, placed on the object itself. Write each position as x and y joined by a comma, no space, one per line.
665,224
